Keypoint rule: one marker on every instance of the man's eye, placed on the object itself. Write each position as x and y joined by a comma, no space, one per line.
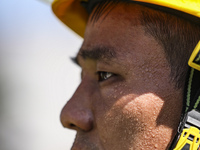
104,75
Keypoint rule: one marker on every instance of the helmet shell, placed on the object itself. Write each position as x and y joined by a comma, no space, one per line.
75,16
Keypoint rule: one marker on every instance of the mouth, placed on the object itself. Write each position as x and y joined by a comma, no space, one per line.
87,141
82,143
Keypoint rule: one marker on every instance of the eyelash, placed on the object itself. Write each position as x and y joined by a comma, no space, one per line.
102,75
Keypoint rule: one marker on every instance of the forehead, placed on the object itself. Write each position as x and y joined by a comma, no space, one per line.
114,16
116,10
119,28
113,24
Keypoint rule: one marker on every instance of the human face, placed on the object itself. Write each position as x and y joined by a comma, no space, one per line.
126,100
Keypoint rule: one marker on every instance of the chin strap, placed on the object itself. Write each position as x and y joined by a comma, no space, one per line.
188,134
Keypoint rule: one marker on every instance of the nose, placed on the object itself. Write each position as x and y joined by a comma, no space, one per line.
76,114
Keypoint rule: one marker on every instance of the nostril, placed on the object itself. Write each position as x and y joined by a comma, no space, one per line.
76,118
72,125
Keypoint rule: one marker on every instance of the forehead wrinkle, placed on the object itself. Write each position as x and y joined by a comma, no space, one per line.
98,53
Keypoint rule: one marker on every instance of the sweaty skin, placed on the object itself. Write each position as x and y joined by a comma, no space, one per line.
126,99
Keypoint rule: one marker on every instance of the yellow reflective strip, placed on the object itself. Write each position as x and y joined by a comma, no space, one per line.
195,52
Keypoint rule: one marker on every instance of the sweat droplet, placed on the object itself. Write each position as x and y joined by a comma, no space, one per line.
104,140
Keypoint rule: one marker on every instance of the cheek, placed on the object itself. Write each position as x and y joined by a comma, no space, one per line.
145,107
129,121
116,126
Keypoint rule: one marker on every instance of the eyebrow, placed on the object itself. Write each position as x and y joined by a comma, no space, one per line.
98,53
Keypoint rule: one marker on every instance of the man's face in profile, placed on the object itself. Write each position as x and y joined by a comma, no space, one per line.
126,100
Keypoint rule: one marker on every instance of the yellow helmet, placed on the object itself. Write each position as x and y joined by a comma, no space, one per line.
75,16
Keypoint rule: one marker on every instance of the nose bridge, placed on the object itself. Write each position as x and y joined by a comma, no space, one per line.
77,114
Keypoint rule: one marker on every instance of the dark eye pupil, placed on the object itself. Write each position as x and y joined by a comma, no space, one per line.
104,75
